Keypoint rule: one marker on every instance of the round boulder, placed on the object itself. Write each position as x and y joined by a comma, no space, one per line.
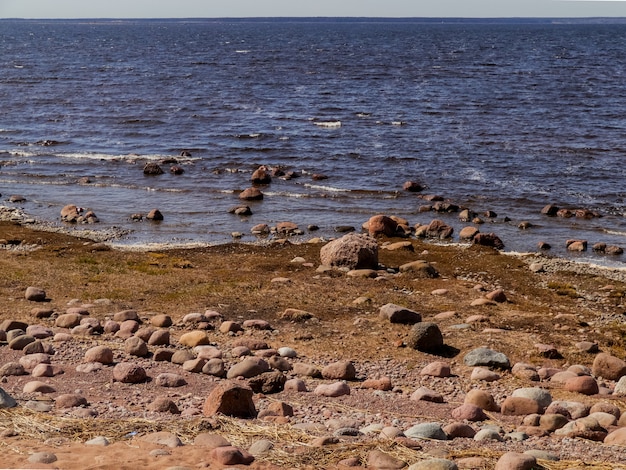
352,251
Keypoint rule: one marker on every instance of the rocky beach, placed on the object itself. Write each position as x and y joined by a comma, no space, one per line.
379,352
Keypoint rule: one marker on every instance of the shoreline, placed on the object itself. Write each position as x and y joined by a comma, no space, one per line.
246,286
548,262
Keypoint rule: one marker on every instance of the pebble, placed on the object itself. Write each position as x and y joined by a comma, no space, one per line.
516,461
434,464
486,357
98,441
42,457
336,389
483,374
426,431
6,400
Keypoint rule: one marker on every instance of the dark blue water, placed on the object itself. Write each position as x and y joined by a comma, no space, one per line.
502,117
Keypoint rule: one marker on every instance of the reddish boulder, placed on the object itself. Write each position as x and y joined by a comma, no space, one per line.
382,225
489,239
230,399
251,194
439,229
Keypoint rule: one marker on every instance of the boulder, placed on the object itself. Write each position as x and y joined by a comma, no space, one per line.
381,225
488,239
352,251
439,229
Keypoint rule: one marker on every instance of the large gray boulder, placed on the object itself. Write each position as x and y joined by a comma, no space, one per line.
352,251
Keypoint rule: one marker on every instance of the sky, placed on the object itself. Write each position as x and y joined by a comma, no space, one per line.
275,8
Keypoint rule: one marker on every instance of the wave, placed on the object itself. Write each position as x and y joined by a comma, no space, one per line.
328,124
615,232
327,188
287,194
129,157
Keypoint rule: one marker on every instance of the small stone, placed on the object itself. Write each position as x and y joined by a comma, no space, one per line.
162,438
163,405
483,374
516,461
135,346
582,384
426,431
436,369
6,400
38,387
377,459
425,394
229,455
35,294
434,464
336,389
426,337
42,457
170,380
70,400
127,372
100,441
468,412
482,399
341,370
486,357
194,338
608,367
397,314
230,399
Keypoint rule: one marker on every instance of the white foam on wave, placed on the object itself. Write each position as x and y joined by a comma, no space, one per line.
615,232
328,124
131,157
326,188
286,194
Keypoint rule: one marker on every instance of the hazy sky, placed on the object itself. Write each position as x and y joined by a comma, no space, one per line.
247,8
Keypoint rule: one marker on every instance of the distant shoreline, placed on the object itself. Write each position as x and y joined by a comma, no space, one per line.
347,19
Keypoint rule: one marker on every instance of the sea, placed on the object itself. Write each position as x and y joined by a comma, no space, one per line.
504,116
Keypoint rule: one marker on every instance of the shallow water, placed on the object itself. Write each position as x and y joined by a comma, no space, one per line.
502,117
